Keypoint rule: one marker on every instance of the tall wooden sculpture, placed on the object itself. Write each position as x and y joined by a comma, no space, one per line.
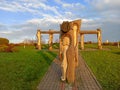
69,49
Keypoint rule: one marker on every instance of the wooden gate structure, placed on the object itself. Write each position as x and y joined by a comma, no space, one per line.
50,32
81,32
97,32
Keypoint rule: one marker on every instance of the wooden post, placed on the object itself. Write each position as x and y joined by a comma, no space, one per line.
99,37
82,41
50,40
38,39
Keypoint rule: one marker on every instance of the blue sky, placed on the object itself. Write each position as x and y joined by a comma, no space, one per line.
19,19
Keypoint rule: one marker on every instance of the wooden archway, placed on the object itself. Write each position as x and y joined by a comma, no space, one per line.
97,32
50,32
82,32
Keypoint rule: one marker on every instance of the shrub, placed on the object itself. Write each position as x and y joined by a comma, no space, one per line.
11,48
88,42
4,41
8,48
105,43
3,48
14,49
115,43
111,43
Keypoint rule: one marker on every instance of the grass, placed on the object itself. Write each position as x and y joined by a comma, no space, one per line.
105,64
24,69
54,45
92,46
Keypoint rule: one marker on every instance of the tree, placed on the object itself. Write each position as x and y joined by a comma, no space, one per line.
4,41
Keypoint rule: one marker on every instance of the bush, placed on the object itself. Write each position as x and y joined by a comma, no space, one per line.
88,42
14,49
8,48
115,44
11,48
106,43
111,43
3,48
4,41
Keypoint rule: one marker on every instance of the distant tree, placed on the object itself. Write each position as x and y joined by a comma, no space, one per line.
4,41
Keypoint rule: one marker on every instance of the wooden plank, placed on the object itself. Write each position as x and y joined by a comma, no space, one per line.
50,32
81,32
88,32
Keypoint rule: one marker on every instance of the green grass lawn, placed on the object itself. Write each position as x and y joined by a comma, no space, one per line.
105,64
54,45
24,69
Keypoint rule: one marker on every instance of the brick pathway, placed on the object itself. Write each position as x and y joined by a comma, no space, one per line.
85,80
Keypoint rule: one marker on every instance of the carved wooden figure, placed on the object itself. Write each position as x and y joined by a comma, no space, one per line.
69,49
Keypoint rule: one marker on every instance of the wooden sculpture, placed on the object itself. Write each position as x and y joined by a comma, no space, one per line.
69,49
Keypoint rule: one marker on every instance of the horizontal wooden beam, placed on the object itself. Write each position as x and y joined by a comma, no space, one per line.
50,32
81,32
88,32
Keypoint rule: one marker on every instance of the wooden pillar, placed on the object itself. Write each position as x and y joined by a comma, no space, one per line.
38,39
99,37
50,40
82,41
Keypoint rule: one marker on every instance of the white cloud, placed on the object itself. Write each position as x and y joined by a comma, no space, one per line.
104,5
70,6
14,7
29,28
6,32
32,6
73,6
96,14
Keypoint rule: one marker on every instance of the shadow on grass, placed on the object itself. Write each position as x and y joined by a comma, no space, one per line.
47,55
117,53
